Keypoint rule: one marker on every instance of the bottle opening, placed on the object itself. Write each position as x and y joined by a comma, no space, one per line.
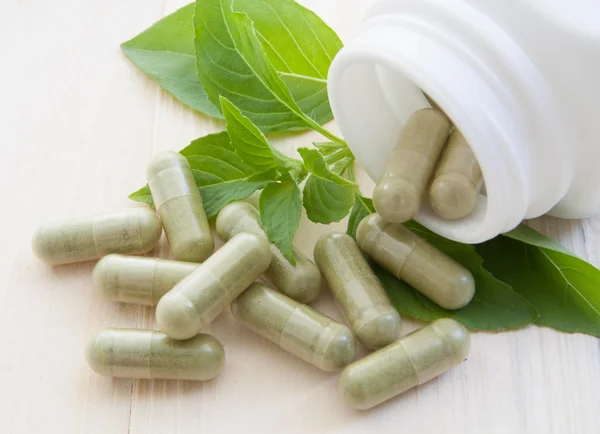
377,84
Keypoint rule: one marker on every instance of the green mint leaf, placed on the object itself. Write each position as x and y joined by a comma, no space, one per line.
280,210
495,306
300,46
363,206
247,140
252,146
527,235
327,197
166,53
561,286
216,196
300,49
143,195
232,62
218,140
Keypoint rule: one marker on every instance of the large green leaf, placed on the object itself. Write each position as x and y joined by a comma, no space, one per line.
495,305
327,196
232,62
300,46
280,211
294,39
166,53
564,288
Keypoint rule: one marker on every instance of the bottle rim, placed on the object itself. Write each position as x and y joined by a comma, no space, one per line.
482,107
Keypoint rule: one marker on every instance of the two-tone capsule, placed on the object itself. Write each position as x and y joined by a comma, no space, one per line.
179,205
455,186
133,353
412,259
133,231
136,279
301,282
295,327
399,192
357,291
412,360
199,298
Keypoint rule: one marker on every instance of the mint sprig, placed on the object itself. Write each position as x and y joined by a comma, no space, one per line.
262,66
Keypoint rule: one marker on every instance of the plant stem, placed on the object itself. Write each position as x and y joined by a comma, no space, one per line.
318,128
351,174
339,155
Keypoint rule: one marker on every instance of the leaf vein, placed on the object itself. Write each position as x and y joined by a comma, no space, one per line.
294,39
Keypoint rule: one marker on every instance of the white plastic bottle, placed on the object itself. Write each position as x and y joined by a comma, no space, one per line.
519,78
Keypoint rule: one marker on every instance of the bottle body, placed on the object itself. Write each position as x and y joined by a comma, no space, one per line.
497,69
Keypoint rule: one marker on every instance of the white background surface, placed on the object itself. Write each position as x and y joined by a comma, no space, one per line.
78,123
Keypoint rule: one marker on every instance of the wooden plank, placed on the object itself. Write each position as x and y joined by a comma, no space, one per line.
78,124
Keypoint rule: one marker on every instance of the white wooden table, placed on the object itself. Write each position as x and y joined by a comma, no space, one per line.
78,123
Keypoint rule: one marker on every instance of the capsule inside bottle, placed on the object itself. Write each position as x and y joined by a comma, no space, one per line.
455,187
399,192
412,259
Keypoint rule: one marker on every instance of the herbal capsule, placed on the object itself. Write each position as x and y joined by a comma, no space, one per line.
179,206
412,360
357,291
133,353
139,280
302,282
412,259
399,192
455,187
200,297
295,327
64,242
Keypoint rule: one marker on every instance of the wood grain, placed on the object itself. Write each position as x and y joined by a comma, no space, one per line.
78,124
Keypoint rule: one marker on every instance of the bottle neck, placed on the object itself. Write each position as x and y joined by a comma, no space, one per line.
483,82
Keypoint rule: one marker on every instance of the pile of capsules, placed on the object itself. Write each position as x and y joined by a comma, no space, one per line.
198,285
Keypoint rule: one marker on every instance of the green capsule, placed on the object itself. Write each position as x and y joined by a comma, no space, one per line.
197,300
357,291
295,327
302,282
138,280
134,231
134,353
455,187
179,206
412,360
412,259
398,195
